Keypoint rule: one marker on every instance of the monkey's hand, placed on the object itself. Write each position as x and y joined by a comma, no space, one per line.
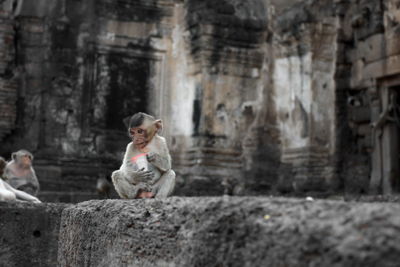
151,157
36,200
141,176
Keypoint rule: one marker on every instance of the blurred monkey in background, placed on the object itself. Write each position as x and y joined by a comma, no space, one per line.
8,193
20,174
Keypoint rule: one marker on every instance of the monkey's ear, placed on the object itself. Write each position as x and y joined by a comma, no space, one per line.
159,125
126,121
14,155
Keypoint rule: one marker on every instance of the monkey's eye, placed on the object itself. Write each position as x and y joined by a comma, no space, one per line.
139,131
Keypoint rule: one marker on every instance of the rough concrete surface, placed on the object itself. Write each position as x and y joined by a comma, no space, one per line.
29,234
230,231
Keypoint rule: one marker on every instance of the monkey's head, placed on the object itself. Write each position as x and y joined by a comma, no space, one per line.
23,158
142,128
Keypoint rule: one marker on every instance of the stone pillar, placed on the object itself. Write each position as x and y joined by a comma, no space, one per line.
305,90
224,59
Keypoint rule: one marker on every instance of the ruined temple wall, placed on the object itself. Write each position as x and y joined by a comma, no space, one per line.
253,95
216,73
373,88
305,107
8,81
82,68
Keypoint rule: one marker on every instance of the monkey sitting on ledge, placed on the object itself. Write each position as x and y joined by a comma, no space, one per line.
20,174
146,168
8,193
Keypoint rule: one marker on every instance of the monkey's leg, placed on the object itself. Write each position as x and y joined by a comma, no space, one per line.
123,187
165,186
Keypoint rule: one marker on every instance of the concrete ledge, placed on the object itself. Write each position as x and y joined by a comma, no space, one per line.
229,232
29,234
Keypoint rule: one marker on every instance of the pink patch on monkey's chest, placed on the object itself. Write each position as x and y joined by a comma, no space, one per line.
140,160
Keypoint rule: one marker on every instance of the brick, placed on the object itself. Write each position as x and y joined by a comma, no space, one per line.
392,42
381,68
372,49
34,28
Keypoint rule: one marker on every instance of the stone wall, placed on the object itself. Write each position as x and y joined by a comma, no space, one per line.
229,232
373,91
219,231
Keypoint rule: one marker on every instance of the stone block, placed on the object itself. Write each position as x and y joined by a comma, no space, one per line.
385,67
360,114
379,46
229,231
31,39
392,41
372,48
35,55
34,27
39,8
29,234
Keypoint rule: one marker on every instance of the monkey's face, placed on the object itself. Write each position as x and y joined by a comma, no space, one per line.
141,136
25,160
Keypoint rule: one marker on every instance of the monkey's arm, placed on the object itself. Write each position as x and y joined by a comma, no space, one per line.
163,163
160,158
22,195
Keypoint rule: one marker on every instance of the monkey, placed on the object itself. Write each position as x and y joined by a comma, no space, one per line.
146,168
20,174
8,193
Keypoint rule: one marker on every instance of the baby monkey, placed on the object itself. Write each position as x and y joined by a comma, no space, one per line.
146,168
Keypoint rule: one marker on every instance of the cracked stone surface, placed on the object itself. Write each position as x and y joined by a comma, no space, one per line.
228,231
